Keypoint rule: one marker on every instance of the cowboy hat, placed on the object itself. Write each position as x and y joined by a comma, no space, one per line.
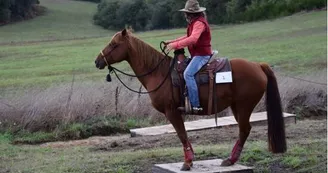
192,6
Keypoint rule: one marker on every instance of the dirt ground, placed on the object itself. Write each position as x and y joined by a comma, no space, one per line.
296,133
308,128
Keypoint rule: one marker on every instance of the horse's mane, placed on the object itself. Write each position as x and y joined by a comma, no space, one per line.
147,53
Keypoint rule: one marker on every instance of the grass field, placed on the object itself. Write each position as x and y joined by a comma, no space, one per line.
306,152
64,20
49,49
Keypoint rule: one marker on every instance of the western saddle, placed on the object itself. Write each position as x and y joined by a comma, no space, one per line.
206,75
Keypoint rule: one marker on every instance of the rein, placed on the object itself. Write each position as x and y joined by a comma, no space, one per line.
113,69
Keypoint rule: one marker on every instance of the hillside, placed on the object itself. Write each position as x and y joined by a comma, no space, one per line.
50,90
64,19
295,43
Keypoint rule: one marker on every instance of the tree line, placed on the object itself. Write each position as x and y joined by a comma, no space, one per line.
12,10
144,15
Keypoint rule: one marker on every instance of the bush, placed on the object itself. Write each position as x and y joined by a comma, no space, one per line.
102,109
25,137
139,14
106,14
12,10
116,14
164,14
96,1
5,15
99,126
267,9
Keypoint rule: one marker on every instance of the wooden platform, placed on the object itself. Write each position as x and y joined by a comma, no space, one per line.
256,118
203,166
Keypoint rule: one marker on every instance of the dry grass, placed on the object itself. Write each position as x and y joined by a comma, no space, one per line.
80,101
300,95
74,102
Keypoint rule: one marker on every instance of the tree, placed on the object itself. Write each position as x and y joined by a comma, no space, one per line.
11,10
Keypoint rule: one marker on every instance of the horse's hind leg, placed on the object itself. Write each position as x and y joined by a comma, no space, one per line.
242,113
176,120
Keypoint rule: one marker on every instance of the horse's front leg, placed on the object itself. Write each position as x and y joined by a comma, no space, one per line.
176,120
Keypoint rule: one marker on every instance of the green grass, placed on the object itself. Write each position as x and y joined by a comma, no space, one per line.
64,19
33,138
304,157
295,43
95,126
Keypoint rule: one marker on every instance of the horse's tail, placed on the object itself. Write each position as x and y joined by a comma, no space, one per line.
276,126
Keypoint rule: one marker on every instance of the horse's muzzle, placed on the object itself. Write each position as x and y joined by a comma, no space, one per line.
99,64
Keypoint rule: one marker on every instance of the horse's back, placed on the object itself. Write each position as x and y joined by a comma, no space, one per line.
248,76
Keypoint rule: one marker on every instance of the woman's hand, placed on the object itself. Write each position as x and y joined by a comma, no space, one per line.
169,47
167,42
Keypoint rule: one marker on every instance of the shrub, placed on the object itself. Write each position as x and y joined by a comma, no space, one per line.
116,14
96,1
163,14
93,109
267,9
12,10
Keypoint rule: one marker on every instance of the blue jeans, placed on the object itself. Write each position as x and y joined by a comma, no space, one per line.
196,63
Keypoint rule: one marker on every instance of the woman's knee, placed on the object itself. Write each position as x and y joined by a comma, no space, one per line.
188,75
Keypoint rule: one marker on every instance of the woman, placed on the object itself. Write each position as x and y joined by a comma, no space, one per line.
198,41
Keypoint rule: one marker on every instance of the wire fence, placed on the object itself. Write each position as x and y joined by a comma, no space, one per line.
46,108
302,79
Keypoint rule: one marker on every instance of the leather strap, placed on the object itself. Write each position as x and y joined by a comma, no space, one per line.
210,92
215,103
182,91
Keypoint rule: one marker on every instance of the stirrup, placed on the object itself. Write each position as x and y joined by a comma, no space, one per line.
187,106
186,110
182,109
196,109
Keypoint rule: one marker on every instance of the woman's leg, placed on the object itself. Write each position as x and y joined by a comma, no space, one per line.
194,66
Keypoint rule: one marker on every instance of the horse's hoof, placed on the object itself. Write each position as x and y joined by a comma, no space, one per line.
186,166
227,162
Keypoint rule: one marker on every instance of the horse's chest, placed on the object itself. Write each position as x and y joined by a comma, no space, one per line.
162,98
159,101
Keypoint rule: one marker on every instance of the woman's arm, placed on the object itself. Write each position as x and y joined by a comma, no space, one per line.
178,39
198,28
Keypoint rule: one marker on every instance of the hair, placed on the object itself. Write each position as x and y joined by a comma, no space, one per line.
191,16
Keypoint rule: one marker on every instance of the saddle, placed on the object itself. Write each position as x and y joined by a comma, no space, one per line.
206,75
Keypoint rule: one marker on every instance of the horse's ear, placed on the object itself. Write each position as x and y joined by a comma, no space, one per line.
130,29
124,32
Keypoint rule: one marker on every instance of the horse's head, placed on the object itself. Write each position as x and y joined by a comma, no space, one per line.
116,50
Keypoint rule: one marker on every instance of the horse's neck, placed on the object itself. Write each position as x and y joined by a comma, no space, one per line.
140,64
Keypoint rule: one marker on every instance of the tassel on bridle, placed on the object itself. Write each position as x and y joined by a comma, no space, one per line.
108,77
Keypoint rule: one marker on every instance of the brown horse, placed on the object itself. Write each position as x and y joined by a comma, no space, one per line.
250,81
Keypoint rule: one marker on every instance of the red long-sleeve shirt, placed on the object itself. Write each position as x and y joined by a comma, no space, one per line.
185,41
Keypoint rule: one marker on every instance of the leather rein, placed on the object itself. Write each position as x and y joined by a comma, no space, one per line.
113,70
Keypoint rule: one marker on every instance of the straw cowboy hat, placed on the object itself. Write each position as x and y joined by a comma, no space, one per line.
192,6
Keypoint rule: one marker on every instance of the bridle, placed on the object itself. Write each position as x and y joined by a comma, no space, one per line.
113,69
104,56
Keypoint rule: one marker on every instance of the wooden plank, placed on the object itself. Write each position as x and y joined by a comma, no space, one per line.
203,166
259,118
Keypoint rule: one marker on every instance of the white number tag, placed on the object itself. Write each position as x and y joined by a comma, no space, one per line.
223,77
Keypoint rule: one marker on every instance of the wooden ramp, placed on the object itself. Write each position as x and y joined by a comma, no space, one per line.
256,118
204,166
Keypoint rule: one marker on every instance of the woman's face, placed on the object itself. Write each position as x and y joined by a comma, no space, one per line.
188,19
